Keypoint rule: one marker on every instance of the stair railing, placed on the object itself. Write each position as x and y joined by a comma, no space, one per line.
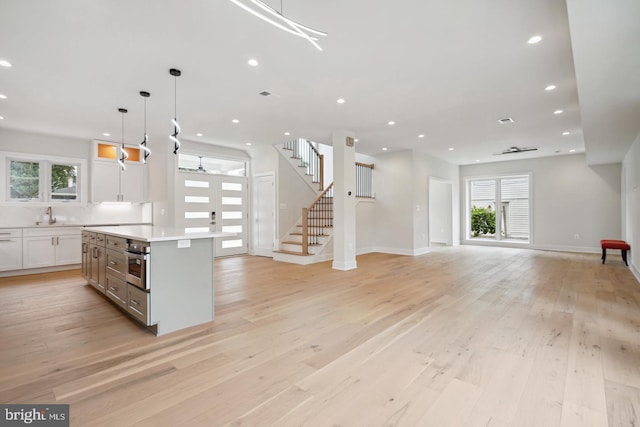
309,157
316,217
364,180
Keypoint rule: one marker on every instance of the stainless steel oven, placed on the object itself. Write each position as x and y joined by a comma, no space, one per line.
138,256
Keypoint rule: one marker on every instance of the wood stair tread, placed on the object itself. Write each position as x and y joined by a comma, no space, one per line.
298,243
281,251
309,234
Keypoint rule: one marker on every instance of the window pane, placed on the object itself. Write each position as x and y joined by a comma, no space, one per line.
232,201
232,229
232,186
196,184
515,208
196,199
231,244
231,215
196,215
212,165
483,208
24,180
64,182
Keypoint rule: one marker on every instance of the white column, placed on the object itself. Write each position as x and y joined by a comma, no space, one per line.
344,201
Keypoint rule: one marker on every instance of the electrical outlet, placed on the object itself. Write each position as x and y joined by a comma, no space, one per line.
576,236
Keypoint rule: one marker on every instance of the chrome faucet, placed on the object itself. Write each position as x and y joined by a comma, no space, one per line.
49,212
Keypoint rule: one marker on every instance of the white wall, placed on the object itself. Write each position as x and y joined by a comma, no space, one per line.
33,143
293,195
392,182
631,204
425,167
568,197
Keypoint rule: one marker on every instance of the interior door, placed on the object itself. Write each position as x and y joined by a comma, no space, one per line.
207,202
264,225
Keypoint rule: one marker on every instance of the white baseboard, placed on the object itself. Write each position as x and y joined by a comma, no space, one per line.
344,266
400,251
635,271
40,270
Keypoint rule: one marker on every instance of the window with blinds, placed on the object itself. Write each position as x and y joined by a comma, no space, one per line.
499,208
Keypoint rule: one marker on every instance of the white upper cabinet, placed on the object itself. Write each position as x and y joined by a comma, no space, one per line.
109,183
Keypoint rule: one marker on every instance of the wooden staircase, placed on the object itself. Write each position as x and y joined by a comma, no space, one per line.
312,234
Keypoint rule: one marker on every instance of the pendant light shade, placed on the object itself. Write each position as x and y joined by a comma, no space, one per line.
143,144
123,153
176,126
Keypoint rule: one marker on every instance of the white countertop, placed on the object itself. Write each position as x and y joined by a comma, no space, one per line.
150,233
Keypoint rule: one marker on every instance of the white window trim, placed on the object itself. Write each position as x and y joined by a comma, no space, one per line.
82,180
467,214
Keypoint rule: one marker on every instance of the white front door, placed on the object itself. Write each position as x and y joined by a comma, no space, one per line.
264,225
217,203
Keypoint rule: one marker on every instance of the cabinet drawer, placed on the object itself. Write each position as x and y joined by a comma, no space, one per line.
88,237
101,239
116,243
52,231
117,290
116,264
138,304
7,233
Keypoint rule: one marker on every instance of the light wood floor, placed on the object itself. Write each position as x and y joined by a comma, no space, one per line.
465,336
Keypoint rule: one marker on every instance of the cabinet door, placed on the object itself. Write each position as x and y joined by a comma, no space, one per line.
86,260
105,181
10,253
133,183
68,249
102,269
40,251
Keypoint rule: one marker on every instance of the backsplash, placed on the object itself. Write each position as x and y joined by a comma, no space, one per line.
24,216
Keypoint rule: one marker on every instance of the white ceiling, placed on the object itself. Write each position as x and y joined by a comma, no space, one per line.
445,69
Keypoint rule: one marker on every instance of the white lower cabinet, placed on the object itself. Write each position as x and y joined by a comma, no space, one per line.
51,247
10,249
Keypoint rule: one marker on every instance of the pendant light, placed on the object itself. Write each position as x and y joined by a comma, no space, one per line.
176,127
276,18
123,153
143,144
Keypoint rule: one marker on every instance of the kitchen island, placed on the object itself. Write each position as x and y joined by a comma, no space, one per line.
167,285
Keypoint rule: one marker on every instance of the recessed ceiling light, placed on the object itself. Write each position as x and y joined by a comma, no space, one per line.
384,148
3,96
391,123
356,140
534,40
572,151
287,133
253,62
235,121
421,135
198,134
477,160
340,101
5,63
106,134
1,118
550,87
558,112
451,148
565,133
248,143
